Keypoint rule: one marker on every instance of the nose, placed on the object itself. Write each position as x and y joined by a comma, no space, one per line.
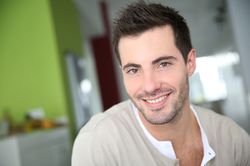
150,81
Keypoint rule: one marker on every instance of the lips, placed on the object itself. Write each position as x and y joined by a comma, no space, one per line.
156,102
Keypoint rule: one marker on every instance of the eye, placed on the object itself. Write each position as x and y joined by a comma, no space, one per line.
132,71
164,64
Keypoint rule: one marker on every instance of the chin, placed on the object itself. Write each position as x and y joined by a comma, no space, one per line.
157,116
160,117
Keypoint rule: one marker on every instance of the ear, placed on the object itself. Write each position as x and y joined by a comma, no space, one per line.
191,62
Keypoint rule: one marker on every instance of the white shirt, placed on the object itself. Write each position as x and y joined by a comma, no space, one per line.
166,147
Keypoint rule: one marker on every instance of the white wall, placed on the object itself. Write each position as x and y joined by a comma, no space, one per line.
239,14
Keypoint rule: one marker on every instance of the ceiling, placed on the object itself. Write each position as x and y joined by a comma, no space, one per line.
207,19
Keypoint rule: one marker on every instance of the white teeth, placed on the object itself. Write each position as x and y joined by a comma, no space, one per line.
156,100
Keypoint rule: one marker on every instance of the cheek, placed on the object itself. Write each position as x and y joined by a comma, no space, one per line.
131,85
181,81
173,78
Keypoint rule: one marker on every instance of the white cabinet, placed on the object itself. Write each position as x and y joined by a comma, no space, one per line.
43,148
9,153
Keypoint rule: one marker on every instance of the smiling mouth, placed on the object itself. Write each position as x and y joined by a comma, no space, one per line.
157,100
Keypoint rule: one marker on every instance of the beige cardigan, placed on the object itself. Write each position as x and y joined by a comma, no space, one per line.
114,138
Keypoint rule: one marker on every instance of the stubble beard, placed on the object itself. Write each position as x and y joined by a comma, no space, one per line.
175,107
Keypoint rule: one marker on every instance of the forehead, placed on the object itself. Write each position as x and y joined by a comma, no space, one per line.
148,45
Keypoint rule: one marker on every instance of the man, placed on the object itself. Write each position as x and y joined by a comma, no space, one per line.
158,126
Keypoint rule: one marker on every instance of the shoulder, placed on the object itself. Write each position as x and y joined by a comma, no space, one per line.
212,121
225,136
107,118
95,141
106,125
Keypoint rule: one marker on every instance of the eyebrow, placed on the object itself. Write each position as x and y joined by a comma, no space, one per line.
163,58
153,62
131,65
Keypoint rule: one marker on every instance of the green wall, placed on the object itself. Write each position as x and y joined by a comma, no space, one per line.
34,38
67,26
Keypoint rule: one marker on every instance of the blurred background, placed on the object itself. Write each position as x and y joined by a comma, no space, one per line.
57,69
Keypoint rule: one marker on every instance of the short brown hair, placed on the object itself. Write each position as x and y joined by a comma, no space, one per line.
139,17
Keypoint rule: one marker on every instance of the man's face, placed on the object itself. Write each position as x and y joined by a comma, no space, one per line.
155,74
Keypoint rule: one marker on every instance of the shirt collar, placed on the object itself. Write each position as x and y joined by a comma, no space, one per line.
207,149
166,147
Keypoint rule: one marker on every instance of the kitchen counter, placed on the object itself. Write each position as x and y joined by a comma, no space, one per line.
44,147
